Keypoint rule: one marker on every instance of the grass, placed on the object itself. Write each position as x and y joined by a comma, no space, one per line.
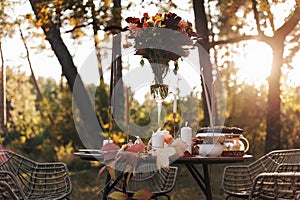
86,184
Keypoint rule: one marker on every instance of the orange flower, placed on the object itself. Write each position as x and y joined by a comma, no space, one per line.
182,26
158,17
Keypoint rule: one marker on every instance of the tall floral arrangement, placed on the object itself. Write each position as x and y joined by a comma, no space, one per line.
160,39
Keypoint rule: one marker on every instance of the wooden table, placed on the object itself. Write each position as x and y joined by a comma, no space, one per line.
202,179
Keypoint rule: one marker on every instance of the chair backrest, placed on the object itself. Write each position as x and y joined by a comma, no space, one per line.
36,180
284,186
147,176
271,161
18,165
288,167
238,180
9,189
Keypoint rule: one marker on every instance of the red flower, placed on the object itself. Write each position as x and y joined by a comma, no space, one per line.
134,21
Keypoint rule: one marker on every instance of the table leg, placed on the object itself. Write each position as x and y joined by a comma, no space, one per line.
202,181
106,189
207,181
109,186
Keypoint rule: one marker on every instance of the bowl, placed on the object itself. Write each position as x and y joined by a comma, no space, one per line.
211,150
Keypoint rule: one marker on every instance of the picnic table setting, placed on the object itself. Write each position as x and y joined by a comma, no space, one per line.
161,40
128,100
160,152
163,152
140,163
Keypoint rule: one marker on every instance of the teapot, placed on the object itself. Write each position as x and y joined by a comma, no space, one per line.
235,145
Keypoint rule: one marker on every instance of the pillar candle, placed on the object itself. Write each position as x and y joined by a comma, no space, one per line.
186,136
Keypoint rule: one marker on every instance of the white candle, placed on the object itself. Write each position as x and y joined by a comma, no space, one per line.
158,140
175,104
186,136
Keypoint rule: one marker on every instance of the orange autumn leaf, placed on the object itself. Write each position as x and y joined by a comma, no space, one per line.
118,195
142,194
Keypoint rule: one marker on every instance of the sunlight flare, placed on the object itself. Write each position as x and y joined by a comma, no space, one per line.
254,63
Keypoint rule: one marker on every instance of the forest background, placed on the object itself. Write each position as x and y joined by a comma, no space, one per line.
36,112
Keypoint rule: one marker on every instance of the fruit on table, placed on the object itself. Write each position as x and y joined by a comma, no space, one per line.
168,138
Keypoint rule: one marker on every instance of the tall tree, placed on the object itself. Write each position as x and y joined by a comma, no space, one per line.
5,29
274,102
228,26
203,31
3,118
88,124
118,100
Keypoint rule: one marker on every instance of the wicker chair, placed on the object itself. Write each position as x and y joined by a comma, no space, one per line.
288,167
283,185
158,182
238,179
22,178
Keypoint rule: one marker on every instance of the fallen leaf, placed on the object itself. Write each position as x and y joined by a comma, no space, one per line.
142,194
118,195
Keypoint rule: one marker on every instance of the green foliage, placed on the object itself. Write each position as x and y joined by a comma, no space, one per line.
102,104
290,118
23,114
47,128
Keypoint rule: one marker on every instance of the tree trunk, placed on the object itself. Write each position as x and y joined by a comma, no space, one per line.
35,83
206,67
274,101
84,114
97,44
3,110
118,97
273,110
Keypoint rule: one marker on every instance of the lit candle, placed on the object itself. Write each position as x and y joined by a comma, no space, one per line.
175,104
